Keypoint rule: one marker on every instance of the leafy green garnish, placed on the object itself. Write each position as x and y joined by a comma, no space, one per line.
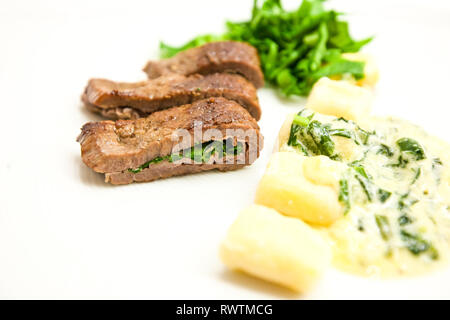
412,147
417,245
296,47
167,51
338,67
200,153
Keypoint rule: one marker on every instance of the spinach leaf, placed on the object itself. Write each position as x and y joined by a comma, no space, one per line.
200,153
385,150
365,185
301,121
404,219
342,133
296,47
383,195
167,51
340,37
383,226
417,175
344,195
321,138
148,163
311,136
342,119
405,202
359,168
340,67
417,245
411,146
401,163
364,134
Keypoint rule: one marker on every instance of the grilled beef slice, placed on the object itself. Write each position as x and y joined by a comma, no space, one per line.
224,56
118,148
118,100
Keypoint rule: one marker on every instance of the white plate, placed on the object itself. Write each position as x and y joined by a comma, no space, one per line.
66,234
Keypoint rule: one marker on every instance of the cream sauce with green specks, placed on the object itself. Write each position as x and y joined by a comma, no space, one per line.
398,220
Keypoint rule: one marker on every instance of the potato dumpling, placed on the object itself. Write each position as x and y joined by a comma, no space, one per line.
323,171
371,74
279,249
302,187
347,149
340,99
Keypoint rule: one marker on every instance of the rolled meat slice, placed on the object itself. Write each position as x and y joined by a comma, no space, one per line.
223,56
121,100
213,133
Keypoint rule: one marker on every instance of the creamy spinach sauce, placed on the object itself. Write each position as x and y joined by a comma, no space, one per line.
395,191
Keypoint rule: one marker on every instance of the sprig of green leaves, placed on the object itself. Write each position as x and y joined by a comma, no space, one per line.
296,47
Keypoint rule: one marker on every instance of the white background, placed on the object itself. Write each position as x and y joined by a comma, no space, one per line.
64,233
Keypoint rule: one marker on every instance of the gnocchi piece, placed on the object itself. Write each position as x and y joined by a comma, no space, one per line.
322,171
302,187
340,99
263,243
346,149
371,74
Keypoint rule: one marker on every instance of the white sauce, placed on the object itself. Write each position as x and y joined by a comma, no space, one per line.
409,231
